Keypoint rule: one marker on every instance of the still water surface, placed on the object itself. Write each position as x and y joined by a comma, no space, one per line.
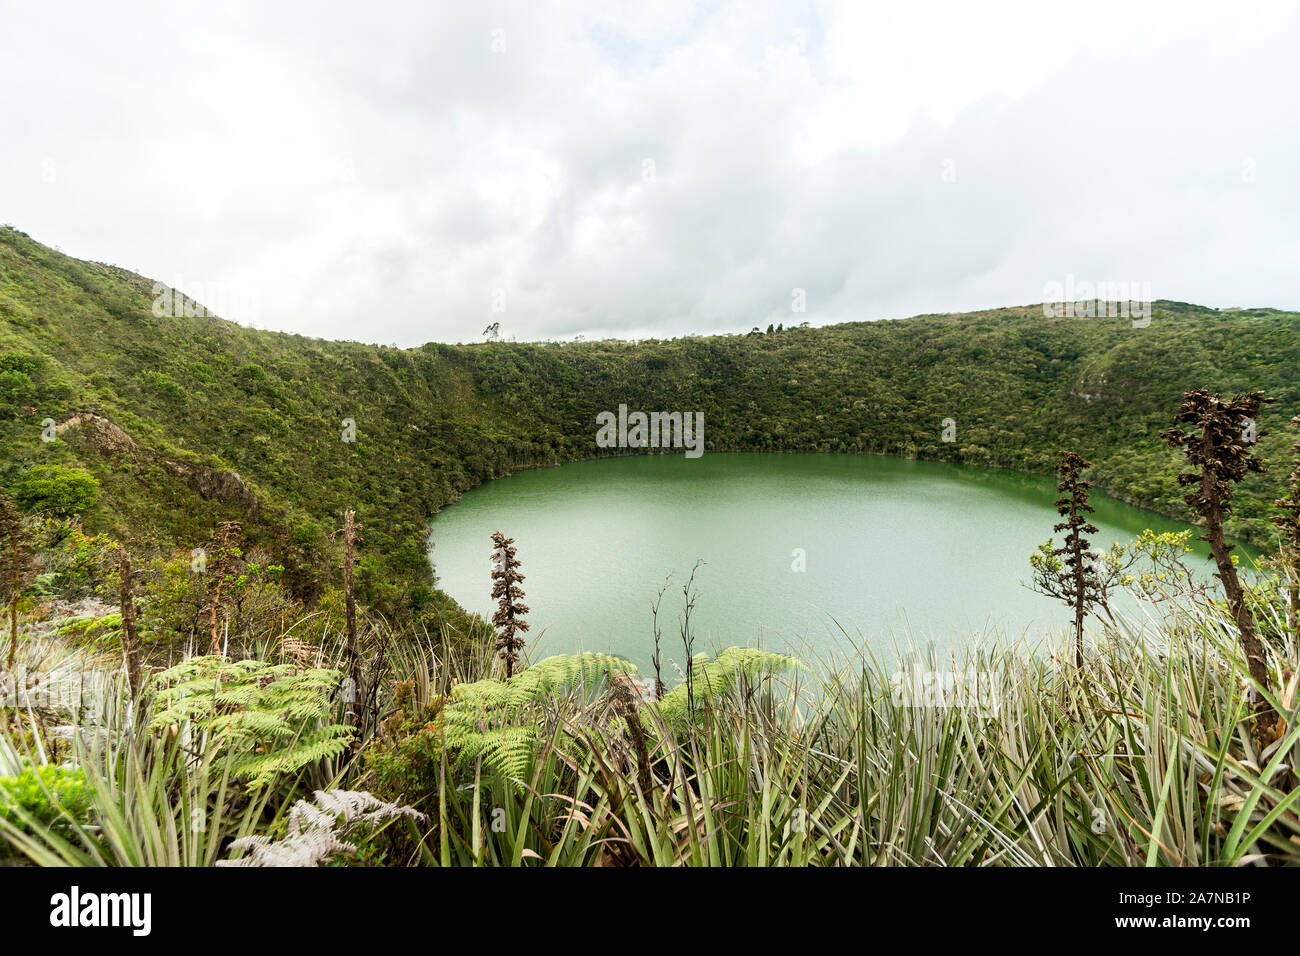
894,552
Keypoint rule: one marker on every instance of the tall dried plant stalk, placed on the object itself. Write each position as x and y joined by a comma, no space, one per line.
508,619
130,637
224,555
1068,573
688,636
656,659
17,566
350,600
1217,443
1289,522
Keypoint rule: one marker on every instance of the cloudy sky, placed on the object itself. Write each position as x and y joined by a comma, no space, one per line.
408,172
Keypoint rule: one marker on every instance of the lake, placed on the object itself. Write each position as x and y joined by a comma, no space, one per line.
798,550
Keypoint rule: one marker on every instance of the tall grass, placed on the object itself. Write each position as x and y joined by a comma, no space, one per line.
156,799
1144,756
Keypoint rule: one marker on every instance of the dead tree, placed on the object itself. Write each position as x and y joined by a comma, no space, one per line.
224,560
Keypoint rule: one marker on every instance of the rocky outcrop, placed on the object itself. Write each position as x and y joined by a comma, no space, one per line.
105,436
211,484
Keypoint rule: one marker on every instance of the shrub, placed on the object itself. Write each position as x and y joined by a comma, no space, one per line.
16,388
80,561
404,765
405,756
166,387
57,490
48,797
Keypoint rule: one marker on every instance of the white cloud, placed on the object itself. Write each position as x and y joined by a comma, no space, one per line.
375,173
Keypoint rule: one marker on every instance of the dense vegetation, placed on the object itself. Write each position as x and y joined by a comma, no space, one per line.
1142,755
200,420
232,707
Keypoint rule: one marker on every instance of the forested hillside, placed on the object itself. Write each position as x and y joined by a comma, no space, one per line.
184,422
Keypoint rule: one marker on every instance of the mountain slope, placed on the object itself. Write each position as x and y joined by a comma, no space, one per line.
189,421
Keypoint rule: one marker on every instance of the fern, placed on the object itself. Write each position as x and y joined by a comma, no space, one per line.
500,721
316,831
271,718
86,627
497,720
716,678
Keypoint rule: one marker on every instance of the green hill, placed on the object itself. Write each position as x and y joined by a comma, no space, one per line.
187,421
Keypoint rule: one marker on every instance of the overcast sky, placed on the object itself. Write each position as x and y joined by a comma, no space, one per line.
394,172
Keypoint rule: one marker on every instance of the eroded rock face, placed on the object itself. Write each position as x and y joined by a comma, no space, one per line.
103,434
215,485
211,484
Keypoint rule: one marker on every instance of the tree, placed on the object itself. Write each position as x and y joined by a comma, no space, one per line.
493,331
17,565
505,588
1070,573
1289,522
1217,445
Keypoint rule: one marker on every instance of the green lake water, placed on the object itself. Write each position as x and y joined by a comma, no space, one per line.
895,552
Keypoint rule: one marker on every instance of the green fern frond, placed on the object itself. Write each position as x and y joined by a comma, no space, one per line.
716,678
497,719
325,743
275,718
